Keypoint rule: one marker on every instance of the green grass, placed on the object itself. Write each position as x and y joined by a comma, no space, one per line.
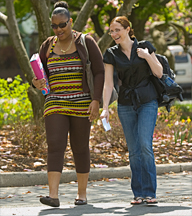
186,109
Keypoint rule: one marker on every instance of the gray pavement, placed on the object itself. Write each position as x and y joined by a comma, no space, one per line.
111,197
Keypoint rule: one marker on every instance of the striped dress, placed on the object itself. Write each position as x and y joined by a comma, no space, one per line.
65,80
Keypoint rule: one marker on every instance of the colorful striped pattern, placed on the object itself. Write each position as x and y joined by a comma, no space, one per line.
65,80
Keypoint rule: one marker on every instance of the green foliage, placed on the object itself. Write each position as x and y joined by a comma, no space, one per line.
22,8
14,101
74,4
144,8
179,11
186,110
2,6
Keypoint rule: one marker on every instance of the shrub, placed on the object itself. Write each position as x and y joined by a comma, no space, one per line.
186,109
14,101
172,124
30,138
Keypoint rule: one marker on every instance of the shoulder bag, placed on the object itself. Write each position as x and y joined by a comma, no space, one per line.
90,78
167,89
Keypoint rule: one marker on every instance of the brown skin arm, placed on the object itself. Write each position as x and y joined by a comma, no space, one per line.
39,84
93,110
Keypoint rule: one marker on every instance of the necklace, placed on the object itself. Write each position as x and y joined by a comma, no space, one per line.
64,51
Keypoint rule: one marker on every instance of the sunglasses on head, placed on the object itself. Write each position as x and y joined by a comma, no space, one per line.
61,25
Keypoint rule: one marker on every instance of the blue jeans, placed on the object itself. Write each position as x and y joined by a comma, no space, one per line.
138,126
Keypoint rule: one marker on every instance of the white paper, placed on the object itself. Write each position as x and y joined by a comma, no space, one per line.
106,125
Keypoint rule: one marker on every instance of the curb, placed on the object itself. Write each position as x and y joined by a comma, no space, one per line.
17,179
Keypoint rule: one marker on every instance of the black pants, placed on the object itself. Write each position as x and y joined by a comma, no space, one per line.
57,128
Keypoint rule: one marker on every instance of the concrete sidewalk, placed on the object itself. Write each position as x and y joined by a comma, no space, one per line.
105,198
40,177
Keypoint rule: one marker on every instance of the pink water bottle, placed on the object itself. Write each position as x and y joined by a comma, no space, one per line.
39,71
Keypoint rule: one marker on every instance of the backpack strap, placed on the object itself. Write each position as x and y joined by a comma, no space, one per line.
84,44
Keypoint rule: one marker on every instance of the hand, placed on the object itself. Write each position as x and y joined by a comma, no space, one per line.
93,110
142,53
39,84
105,114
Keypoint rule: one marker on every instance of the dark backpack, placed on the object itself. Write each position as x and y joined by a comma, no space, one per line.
167,89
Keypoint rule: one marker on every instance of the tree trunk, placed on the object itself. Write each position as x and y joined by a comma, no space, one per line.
138,25
42,14
138,22
37,99
22,57
97,25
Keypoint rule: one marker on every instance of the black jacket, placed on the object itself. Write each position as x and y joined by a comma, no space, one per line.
134,74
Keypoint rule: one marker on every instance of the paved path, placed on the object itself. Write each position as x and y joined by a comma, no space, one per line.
104,198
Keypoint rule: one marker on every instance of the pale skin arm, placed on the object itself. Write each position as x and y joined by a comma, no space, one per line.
153,62
107,90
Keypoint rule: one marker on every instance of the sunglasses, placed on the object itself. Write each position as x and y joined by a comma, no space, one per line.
61,25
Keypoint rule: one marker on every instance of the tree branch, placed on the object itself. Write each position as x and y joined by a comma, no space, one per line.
182,28
126,8
3,19
83,15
